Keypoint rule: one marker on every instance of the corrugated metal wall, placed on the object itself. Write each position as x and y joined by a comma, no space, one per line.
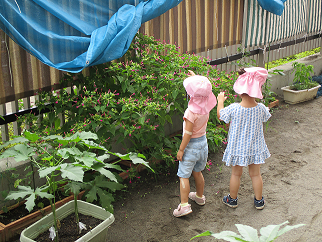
210,28
210,24
298,18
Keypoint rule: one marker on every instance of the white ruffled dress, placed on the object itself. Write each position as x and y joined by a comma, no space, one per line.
246,143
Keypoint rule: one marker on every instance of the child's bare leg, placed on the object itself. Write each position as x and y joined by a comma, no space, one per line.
236,174
200,182
255,175
184,189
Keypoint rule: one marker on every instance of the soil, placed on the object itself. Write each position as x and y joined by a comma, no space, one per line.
292,189
68,229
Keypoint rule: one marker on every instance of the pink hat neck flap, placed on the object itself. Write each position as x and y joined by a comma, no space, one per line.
199,88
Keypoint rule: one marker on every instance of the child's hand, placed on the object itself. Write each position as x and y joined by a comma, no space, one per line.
221,97
180,154
191,73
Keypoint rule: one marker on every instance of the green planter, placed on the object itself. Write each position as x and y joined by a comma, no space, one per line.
99,233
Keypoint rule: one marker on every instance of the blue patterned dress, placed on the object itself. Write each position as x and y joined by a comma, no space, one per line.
246,143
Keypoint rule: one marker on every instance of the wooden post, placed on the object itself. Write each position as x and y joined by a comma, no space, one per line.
320,44
4,128
261,58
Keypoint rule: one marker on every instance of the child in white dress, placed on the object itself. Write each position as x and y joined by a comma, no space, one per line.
246,144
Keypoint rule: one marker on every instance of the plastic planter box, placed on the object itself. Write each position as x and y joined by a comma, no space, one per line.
293,97
99,233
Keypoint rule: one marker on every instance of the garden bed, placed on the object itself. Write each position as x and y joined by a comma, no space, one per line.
19,218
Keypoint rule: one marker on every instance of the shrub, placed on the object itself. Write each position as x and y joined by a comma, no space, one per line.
129,102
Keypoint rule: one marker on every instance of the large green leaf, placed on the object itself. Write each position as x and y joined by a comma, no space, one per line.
87,158
46,171
105,198
100,181
91,195
136,159
111,166
31,136
30,202
23,192
229,236
31,195
102,158
74,187
288,228
20,152
106,173
72,172
92,145
271,232
53,137
64,153
207,233
14,141
87,135
248,233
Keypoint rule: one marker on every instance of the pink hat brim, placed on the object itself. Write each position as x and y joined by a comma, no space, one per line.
251,82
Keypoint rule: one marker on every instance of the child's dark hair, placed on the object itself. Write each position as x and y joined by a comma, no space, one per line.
241,71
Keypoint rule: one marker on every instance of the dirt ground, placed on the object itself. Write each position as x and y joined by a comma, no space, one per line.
292,189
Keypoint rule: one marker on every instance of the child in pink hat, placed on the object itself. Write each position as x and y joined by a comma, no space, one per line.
193,151
246,144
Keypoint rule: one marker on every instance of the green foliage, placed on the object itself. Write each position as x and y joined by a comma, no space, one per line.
129,102
268,95
291,58
215,136
249,234
68,157
302,79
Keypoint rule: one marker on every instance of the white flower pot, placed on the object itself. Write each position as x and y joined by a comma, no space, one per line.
99,233
292,96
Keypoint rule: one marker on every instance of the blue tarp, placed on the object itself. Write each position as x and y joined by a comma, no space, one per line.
273,6
72,35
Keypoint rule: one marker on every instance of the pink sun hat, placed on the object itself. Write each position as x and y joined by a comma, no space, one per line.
251,82
199,88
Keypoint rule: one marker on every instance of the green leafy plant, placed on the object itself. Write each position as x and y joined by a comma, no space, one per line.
268,95
62,160
128,102
291,58
249,234
302,79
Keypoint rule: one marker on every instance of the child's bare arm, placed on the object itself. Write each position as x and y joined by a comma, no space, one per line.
191,73
221,99
185,139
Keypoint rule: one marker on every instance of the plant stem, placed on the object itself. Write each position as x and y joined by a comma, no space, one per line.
76,213
53,209
52,204
33,175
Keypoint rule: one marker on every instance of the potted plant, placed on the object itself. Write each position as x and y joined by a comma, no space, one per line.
62,160
302,88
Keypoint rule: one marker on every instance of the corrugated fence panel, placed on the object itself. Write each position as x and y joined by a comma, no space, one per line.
210,24
314,16
299,17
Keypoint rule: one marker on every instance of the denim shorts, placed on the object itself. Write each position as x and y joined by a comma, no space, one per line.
194,157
